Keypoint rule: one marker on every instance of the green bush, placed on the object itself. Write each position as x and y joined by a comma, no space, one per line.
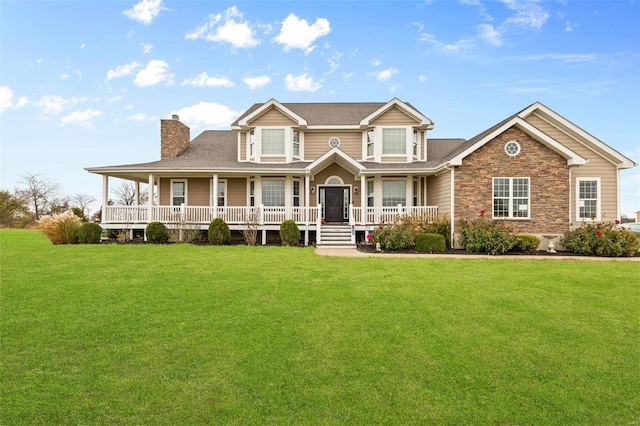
393,237
89,233
219,232
601,239
526,243
486,236
430,243
289,233
157,233
430,225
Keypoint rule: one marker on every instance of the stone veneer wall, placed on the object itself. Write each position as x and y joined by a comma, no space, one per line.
174,137
549,183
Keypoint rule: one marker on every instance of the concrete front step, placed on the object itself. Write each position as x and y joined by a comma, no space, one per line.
335,236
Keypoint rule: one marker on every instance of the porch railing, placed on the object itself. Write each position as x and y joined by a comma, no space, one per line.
263,215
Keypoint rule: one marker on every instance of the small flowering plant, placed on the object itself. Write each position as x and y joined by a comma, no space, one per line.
602,239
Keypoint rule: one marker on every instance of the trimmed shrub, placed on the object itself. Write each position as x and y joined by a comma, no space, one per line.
61,228
219,232
486,236
157,233
526,243
89,233
430,225
430,243
601,239
289,233
393,237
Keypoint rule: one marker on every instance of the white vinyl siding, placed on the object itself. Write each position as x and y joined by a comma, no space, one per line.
511,198
588,191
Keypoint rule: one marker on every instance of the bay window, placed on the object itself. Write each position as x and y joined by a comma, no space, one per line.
296,143
273,193
272,141
394,141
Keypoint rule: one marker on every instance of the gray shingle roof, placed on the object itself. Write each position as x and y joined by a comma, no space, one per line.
317,114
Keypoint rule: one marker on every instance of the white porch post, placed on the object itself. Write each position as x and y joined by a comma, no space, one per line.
150,194
137,194
105,197
307,205
409,188
363,199
214,196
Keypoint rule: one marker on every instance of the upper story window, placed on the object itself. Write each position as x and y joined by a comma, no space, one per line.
272,141
370,141
252,144
511,198
394,141
296,143
415,143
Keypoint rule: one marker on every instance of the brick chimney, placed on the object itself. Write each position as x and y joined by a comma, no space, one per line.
174,137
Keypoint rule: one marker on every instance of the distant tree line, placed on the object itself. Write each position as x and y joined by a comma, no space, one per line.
39,196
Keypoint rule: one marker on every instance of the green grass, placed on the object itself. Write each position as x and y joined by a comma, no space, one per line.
182,334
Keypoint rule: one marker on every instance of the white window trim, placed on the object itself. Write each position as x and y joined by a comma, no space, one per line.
511,206
377,144
287,141
251,145
293,156
186,190
598,201
226,192
286,199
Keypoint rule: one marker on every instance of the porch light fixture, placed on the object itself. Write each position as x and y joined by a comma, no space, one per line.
355,189
313,189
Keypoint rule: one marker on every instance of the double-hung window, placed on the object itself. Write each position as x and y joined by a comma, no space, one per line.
415,143
394,192
252,193
273,193
272,141
394,141
222,193
588,198
252,144
370,196
370,141
511,199
296,143
296,193
178,192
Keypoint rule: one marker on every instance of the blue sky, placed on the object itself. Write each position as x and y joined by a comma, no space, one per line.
85,83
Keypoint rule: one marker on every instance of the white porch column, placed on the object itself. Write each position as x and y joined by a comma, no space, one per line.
214,196
150,194
363,199
105,196
137,194
307,205
409,189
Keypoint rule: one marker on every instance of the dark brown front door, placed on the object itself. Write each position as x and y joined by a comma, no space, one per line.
334,204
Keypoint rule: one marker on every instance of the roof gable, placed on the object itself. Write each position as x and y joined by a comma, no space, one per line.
245,120
577,133
423,122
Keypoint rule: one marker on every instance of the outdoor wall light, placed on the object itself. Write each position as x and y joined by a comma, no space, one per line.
355,189
313,189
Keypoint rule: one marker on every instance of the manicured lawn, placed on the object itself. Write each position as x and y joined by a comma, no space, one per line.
181,334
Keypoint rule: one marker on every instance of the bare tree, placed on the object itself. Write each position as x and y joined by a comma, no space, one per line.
125,194
83,201
38,193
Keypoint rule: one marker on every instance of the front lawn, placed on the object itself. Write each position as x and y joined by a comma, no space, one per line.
184,334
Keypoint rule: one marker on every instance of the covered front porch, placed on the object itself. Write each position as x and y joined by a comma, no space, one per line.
359,219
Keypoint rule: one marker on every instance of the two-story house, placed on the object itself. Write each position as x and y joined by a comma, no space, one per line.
339,169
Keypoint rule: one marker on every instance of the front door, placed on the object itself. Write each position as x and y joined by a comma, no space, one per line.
334,204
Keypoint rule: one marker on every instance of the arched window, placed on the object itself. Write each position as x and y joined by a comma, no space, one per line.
334,180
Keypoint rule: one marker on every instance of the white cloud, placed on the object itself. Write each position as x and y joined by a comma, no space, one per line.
233,30
83,45
141,117
64,76
385,74
114,99
81,117
376,62
301,83
146,47
145,11
256,82
570,26
122,70
490,34
6,98
565,57
296,33
22,101
422,78
53,104
204,80
207,114
154,73
462,44
528,13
